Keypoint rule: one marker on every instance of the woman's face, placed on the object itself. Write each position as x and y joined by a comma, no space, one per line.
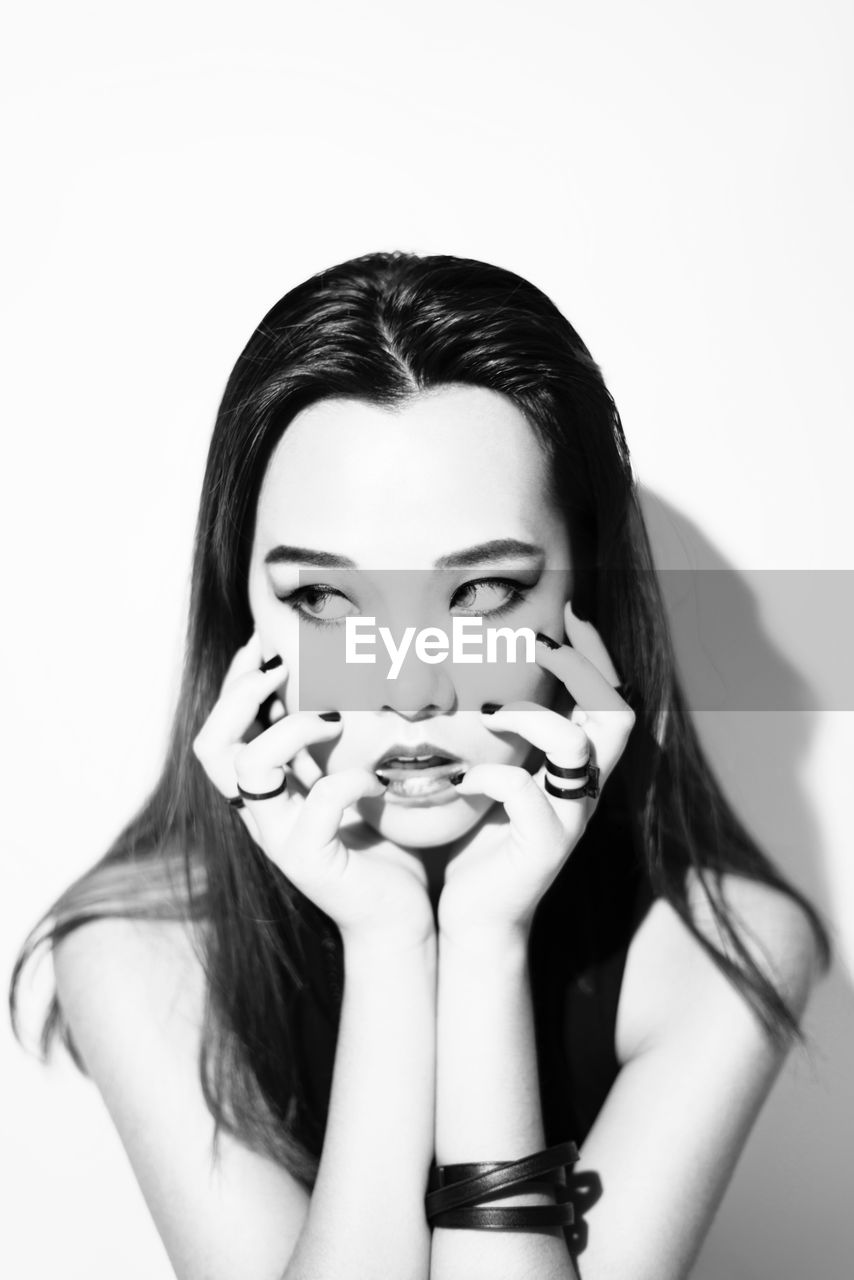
393,492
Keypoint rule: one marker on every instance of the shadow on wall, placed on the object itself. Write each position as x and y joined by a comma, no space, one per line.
786,1212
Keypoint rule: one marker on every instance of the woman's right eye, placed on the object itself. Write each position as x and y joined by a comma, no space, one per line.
307,601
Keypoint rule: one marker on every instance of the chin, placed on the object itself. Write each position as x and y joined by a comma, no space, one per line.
424,826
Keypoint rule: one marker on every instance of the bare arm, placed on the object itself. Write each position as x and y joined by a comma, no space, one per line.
697,1068
696,1063
133,995
488,1104
367,1214
366,1217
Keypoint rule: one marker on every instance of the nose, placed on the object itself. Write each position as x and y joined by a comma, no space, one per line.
422,690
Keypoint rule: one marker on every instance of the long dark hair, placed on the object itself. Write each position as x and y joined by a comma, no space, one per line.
382,328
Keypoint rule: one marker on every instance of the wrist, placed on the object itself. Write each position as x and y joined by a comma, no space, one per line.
498,947
392,948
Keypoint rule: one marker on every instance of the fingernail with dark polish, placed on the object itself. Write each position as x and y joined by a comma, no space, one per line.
380,778
330,715
547,641
270,664
456,778
489,708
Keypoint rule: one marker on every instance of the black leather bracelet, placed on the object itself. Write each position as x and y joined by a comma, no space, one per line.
507,1219
495,1176
445,1174
546,1182
547,1185
448,1174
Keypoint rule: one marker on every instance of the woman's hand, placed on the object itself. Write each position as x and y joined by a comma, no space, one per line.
493,886
352,875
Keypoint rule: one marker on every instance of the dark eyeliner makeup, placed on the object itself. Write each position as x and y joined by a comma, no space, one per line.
296,599
519,592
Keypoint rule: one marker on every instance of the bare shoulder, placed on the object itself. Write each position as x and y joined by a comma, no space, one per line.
696,1066
776,929
150,970
166,943
671,980
133,994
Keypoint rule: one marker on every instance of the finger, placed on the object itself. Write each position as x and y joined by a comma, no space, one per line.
588,686
313,836
563,742
269,813
247,657
236,710
585,639
261,775
566,746
258,763
277,710
534,825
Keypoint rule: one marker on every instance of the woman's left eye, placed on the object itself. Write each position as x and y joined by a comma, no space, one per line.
489,597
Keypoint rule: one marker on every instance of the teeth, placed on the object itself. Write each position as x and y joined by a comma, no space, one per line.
416,786
393,760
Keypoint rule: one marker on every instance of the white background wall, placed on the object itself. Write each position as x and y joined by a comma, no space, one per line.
678,177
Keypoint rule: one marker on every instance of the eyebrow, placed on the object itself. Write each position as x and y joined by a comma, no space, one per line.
482,553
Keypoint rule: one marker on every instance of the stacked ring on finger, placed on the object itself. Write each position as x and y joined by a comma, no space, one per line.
588,771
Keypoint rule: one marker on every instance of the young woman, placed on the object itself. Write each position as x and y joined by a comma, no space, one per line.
457,917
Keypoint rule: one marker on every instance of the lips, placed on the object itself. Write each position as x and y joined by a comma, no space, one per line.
418,774
423,758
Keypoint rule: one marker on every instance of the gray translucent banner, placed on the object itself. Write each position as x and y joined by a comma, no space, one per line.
745,640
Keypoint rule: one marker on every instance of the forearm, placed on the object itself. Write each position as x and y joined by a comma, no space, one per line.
488,1105
366,1218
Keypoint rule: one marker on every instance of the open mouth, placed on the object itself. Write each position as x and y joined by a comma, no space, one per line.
418,773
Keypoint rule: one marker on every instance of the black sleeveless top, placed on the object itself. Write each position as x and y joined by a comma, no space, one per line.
579,943
579,940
